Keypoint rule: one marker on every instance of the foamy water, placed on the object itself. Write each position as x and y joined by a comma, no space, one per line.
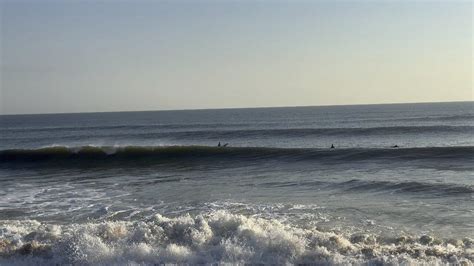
215,237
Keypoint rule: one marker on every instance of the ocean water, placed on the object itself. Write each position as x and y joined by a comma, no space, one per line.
144,188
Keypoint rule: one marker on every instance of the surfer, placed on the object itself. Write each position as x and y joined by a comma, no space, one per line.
395,146
218,145
332,146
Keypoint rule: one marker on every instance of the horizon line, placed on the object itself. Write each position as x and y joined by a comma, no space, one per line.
231,108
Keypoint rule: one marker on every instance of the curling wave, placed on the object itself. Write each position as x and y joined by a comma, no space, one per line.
216,237
157,153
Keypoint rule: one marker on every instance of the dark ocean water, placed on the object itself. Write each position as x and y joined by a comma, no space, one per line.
153,187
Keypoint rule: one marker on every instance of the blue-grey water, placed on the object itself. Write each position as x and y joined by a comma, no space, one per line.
153,187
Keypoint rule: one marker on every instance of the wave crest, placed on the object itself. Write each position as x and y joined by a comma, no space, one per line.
220,153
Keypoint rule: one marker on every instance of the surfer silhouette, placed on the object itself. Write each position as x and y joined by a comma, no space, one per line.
218,145
332,146
395,146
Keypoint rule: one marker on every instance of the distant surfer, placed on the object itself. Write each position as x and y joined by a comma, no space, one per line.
395,146
332,146
218,145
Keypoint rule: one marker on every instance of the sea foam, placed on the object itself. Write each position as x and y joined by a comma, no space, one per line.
215,237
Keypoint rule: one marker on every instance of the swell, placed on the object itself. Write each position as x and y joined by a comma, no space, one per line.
127,126
218,131
444,189
354,185
213,154
320,132
441,118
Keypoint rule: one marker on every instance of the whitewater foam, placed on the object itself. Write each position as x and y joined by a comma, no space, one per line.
215,237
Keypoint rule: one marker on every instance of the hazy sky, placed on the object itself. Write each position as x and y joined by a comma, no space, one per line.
74,56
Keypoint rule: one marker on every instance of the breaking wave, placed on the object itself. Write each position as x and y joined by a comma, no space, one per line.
216,237
157,153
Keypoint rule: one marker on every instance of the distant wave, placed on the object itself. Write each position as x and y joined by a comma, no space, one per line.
408,187
207,153
218,131
216,237
129,126
227,124
440,189
441,118
213,134
315,132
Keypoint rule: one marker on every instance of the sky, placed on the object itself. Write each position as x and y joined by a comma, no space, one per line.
94,56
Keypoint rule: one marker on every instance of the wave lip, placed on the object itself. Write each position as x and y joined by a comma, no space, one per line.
157,153
216,237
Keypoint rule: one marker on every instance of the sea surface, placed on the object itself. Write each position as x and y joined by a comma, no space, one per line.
145,188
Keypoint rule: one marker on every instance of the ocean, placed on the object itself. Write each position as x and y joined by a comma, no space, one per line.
147,188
